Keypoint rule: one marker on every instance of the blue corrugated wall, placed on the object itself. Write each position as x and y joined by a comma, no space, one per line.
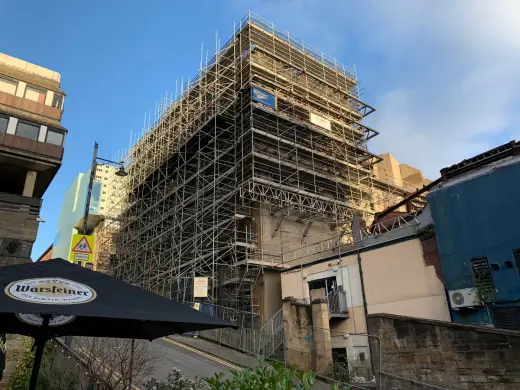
479,217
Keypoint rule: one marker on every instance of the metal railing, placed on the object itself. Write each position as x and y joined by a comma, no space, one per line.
251,336
351,238
337,302
272,335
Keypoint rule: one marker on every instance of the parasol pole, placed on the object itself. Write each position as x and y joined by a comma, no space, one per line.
40,344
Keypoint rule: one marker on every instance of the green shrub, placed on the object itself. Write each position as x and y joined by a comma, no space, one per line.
52,375
272,376
175,381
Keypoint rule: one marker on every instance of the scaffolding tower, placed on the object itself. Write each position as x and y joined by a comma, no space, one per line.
263,151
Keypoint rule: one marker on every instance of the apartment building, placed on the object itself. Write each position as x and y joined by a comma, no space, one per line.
31,151
72,211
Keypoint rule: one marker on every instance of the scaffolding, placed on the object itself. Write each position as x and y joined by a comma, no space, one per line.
265,150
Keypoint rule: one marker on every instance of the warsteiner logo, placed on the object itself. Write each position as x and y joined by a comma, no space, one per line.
50,291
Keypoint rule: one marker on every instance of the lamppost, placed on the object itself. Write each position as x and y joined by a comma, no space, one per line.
120,172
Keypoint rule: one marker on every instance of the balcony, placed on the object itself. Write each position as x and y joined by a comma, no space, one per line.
29,145
337,303
30,106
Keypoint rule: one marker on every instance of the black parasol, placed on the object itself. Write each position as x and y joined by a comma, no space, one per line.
56,298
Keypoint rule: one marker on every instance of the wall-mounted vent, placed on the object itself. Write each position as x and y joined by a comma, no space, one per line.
482,275
506,317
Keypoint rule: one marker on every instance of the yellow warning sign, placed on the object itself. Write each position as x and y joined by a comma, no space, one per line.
82,248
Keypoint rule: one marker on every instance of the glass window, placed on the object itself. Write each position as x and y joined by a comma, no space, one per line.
8,85
57,100
35,94
54,137
3,123
27,130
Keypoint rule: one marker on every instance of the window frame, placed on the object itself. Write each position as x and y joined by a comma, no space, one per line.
45,92
30,124
7,125
12,80
55,131
60,106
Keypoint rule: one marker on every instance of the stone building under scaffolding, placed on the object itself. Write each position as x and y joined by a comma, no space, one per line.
263,152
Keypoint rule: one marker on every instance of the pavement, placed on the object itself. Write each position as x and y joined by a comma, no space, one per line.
221,352
196,357
193,357
221,355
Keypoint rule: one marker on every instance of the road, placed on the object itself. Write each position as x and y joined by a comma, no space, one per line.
192,363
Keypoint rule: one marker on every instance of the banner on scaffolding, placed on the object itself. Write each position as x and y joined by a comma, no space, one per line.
264,97
319,121
200,287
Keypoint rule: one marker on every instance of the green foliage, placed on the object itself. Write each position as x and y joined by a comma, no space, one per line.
52,376
175,381
272,376
265,376
22,375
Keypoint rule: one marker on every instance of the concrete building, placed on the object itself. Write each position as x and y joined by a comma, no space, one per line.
476,211
73,205
393,181
397,272
31,151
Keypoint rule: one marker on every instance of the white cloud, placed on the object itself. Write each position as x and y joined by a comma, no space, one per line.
444,76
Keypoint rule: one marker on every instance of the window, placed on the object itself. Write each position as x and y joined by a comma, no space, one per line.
35,94
482,275
55,137
57,100
4,121
27,130
8,85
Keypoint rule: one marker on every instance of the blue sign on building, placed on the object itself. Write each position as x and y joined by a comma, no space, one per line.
264,97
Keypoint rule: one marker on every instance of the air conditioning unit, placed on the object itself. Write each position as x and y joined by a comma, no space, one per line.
465,297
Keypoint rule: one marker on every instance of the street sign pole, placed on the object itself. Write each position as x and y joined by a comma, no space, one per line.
89,190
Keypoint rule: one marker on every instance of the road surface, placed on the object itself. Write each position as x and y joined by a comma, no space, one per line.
192,362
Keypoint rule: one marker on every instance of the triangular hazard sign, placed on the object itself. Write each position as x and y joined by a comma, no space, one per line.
82,246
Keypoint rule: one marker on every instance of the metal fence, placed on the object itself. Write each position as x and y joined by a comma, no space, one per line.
337,301
257,335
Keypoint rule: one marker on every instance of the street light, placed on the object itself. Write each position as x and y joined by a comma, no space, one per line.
120,173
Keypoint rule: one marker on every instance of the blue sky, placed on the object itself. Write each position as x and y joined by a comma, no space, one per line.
443,76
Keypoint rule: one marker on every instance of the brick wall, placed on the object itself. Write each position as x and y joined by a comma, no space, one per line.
444,354
431,254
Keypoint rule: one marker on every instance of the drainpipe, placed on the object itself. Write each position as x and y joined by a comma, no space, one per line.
365,307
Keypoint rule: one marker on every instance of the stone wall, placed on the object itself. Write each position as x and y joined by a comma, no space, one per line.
417,352
15,349
307,335
18,228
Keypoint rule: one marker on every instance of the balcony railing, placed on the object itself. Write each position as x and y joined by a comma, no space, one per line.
337,302
29,145
30,106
